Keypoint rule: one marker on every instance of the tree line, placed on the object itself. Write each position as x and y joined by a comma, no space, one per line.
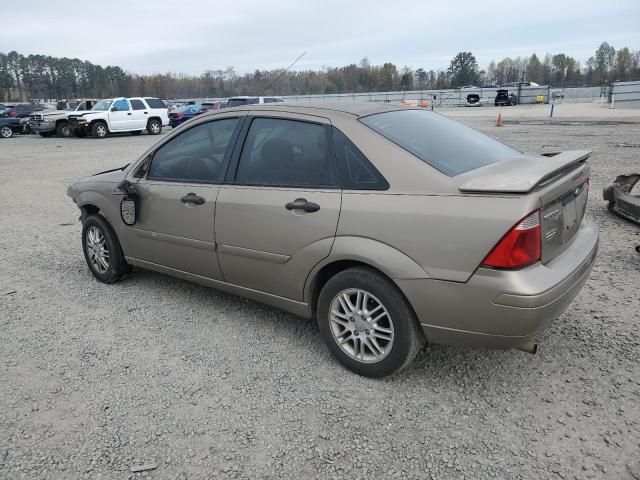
27,77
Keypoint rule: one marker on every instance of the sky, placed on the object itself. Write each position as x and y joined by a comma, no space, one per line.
191,36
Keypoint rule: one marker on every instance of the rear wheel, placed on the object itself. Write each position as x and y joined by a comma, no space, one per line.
63,130
102,250
6,132
99,130
367,323
154,127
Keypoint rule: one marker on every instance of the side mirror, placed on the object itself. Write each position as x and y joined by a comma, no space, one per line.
128,202
113,109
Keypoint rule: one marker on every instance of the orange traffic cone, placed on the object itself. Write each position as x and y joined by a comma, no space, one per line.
499,121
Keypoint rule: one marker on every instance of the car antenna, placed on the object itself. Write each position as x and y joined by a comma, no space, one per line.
279,76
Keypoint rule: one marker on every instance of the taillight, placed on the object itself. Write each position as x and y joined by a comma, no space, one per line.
520,247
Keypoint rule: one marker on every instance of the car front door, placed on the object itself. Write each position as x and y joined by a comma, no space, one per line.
177,199
276,215
120,116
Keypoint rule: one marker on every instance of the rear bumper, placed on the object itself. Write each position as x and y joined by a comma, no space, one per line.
503,309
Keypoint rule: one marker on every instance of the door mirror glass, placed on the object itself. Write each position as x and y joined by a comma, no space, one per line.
128,210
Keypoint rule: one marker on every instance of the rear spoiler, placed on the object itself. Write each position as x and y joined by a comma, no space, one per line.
522,174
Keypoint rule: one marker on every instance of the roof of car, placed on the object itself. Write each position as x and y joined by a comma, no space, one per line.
358,109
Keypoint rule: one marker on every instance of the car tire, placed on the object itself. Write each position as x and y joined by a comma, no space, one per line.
6,132
102,250
99,130
154,127
386,336
63,130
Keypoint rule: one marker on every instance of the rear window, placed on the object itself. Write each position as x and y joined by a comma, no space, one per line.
444,144
137,105
155,103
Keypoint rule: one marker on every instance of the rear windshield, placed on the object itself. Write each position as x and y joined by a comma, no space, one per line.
444,144
155,103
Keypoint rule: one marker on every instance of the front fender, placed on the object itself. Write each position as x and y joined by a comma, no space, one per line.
105,204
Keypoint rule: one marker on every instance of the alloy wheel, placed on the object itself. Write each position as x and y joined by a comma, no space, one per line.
361,325
6,132
97,250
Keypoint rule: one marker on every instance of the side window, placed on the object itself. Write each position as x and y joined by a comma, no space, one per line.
272,100
356,171
287,153
137,105
155,103
195,155
120,106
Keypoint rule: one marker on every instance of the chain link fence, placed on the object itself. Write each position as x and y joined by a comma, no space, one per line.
458,97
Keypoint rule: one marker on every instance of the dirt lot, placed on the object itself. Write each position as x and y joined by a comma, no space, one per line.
96,379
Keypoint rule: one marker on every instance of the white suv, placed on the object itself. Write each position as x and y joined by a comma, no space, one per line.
121,115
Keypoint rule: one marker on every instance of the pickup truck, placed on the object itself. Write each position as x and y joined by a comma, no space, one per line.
117,115
56,122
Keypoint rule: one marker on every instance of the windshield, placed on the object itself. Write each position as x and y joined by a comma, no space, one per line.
102,106
189,109
445,144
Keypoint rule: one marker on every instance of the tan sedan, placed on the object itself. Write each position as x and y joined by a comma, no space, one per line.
390,225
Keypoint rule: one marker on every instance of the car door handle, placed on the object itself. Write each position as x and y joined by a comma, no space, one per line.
129,113
302,204
193,199
146,113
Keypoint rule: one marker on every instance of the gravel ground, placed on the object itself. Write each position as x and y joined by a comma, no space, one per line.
185,382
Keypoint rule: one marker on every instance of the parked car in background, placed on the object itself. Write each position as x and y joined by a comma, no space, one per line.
9,125
56,122
505,99
187,112
250,100
388,224
119,115
22,110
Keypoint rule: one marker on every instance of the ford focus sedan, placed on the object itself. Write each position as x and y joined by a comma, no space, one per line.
391,226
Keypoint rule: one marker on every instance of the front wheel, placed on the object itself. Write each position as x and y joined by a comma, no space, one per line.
63,130
154,127
6,132
102,250
99,130
367,323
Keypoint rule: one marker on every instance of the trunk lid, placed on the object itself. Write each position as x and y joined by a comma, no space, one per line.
561,180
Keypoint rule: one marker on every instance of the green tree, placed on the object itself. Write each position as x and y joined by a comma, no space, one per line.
464,70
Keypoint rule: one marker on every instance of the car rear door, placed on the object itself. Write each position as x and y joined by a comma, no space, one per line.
276,216
177,199
140,114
